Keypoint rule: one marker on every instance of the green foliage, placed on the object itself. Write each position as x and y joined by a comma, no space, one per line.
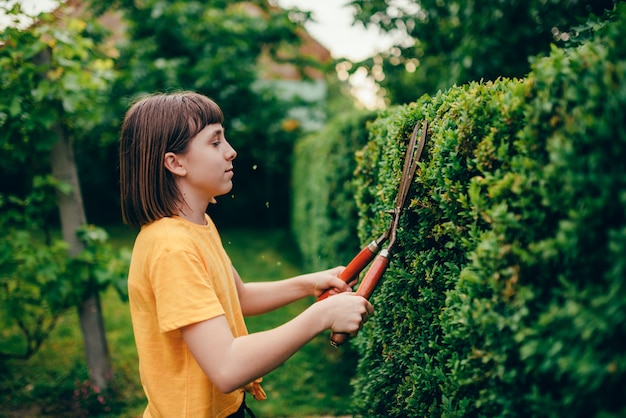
453,42
53,77
323,208
505,295
54,382
100,264
221,49
33,292
51,74
38,282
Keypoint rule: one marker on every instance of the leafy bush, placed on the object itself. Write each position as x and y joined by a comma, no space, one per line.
457,41
39,282
55,78
506,293
324,217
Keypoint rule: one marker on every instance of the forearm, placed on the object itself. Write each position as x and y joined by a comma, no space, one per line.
243,359
231,362
267,350
261,297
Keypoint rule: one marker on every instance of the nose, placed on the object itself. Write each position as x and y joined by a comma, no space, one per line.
231,154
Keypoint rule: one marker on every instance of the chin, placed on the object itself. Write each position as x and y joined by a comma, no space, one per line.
225,191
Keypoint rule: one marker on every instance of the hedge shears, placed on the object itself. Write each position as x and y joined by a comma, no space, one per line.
367,254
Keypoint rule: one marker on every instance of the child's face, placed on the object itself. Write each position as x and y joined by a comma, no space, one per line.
208,161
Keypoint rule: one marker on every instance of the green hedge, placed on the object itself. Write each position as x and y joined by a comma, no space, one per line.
506,295
324,214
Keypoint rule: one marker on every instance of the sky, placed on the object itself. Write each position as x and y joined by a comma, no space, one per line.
333,29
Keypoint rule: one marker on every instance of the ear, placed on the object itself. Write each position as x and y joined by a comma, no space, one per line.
173,164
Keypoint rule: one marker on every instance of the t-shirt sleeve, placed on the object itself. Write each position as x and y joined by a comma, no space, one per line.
183,290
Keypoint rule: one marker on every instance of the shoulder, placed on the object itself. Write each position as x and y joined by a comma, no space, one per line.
178,233
167,234
168,227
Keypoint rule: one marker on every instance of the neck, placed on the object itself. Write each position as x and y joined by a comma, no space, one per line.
193,206
193,212
195,217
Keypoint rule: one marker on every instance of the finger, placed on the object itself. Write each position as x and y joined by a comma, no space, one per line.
336,271
339,285
353,333
334,291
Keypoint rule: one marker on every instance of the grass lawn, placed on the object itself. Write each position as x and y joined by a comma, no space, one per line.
314,382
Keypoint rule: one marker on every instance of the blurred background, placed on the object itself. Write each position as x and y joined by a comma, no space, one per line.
285,73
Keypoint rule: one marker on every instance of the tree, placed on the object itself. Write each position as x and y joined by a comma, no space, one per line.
53,79
218,48
445,43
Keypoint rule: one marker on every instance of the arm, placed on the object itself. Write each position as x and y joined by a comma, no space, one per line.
231,362
261,297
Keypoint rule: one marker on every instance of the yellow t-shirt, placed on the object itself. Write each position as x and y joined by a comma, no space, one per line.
180,275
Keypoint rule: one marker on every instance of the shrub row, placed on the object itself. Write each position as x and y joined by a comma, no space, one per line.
324,214
505,296
506,293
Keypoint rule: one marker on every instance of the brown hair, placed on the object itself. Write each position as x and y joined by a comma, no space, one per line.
153,126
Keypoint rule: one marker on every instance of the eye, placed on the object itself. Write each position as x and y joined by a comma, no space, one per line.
217,138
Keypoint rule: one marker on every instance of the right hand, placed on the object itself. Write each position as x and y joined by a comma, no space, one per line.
346,312
328,281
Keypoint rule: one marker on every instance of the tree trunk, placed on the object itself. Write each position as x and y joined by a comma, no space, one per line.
72,215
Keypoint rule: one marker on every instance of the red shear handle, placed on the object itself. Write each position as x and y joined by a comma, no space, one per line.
355,266
366,288
379,266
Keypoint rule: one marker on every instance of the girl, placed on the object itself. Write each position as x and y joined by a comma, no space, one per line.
187,301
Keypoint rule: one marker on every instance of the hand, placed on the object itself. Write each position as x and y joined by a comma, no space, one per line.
347,312
329,280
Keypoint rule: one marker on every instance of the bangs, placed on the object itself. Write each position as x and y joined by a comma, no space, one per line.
201,111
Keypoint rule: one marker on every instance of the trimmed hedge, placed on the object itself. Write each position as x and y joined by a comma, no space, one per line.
324,214
506,294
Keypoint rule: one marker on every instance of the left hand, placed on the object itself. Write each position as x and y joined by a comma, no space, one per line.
328,279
